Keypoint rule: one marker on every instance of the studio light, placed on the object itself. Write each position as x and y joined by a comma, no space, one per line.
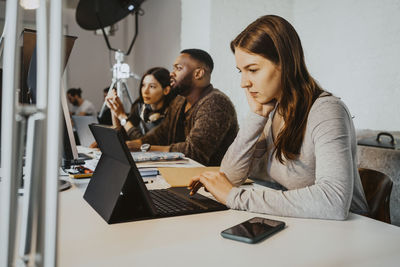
97,14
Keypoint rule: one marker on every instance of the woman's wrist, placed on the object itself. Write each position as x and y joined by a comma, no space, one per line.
123,119
122,116
115,120
230,198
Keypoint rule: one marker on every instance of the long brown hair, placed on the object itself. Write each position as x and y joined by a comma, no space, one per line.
162,76
275,39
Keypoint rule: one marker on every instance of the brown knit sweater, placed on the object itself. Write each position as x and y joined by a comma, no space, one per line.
203,133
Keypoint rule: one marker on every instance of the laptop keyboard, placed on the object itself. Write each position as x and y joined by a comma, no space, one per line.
169,203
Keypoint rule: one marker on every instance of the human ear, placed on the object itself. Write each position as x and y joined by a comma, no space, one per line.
199,73
167,90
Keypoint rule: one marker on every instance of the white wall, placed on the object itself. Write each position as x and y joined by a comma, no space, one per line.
351,48
196,28
159,40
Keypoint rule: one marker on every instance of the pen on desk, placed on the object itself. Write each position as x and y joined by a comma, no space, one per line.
81,175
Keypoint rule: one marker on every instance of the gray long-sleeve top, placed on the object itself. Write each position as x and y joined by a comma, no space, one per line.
322,183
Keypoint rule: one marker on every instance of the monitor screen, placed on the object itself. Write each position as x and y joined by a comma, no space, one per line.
70,151
27,93
28,88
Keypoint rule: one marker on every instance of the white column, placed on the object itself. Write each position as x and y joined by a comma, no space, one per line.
8,184
41,46
53,134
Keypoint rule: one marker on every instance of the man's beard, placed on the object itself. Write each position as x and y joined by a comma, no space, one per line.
75,103
184,87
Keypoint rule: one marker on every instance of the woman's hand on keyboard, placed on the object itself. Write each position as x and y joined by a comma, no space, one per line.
215,182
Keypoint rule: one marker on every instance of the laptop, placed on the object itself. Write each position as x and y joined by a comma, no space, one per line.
117,191
81,124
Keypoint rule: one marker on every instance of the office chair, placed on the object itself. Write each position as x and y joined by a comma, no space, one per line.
377,188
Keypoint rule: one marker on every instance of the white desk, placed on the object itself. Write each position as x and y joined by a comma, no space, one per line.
85,239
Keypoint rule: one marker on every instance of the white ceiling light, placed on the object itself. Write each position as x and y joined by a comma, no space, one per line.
29,4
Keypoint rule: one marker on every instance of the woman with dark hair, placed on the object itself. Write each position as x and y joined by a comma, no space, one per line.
298,141
149,109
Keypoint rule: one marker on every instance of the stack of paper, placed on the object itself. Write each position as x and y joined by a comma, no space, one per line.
149,172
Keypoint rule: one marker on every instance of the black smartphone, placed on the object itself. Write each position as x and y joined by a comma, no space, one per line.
253,230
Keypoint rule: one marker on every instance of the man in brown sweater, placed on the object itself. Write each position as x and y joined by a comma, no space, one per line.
201,121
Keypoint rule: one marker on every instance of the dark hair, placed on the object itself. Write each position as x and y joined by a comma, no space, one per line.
75,91
162,76
201,56
275,39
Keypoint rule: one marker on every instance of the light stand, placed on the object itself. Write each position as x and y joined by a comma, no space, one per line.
121,72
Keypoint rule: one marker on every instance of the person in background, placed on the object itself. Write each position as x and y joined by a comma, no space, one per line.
151,107
298,139
105,118
201,122
80,106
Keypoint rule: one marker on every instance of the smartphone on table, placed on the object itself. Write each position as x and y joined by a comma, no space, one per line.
253,230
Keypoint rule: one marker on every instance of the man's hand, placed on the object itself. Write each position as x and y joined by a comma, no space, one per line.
215,182
93,145
134,145
258,108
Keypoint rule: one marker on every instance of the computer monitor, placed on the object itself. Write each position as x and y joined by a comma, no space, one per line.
70,152
28,64
28,90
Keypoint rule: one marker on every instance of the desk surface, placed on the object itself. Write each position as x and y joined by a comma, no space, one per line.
85,239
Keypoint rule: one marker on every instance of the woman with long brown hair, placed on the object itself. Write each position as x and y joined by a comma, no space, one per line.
298,140
149,109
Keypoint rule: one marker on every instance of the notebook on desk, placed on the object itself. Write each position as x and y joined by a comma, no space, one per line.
117,191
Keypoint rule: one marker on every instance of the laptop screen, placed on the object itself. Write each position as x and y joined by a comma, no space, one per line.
81,124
